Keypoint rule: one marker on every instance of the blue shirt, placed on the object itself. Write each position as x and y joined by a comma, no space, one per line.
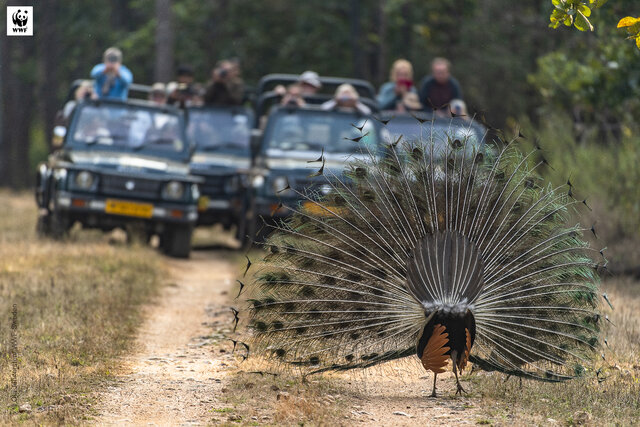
118,88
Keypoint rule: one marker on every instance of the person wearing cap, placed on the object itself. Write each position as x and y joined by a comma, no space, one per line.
158,94
401,83
459,109
309,82
112,78
346,98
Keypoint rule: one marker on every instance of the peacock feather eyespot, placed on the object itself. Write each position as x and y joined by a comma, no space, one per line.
361,172
260,326
338,200
277,326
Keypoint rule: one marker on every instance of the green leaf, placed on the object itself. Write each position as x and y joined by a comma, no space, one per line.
582,23
584,10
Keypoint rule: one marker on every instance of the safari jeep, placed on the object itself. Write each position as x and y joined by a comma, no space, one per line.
121,165
292,140
222,158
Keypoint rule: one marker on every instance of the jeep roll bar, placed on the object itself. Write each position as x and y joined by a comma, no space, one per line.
136,88
329,84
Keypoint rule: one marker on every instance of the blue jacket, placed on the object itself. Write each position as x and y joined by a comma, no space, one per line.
119,88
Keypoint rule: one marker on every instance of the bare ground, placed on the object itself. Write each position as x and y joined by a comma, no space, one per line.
174,374
182,371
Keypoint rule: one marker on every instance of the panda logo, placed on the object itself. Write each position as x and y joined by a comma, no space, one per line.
20,18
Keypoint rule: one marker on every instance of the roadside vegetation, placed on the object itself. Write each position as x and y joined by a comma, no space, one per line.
77,308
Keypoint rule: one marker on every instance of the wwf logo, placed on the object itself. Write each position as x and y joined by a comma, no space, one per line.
20,18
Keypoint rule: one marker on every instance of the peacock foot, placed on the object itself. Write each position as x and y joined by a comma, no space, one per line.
460,390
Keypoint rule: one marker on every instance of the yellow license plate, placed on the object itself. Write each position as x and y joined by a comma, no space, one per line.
118,207
321,210
203,203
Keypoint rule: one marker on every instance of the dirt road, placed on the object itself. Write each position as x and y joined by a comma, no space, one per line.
182,372
174,374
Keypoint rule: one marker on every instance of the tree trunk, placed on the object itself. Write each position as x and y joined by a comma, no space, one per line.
49,57
356,48
381,74
18,99
164,41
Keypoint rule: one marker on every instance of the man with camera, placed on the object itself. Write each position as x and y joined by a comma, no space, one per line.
226,86
112,78
184,92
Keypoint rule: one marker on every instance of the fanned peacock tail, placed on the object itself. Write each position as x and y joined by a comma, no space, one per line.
437,240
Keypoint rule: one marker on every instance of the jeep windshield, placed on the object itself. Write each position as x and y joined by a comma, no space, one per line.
302,130
124,127
441,130
220,130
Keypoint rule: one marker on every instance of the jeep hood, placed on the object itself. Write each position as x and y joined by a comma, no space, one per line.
283,160
128,162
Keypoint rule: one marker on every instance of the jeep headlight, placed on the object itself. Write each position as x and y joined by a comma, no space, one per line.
174,190
257,181
84,180
279,184
326,189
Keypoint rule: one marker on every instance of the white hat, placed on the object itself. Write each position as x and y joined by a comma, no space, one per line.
311,78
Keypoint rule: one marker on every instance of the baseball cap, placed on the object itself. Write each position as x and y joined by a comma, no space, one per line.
158,87
311,78
113,54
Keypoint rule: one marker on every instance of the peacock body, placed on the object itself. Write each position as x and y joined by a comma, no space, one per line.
441,249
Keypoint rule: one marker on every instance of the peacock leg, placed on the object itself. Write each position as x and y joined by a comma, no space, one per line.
460,389
433,393
454,357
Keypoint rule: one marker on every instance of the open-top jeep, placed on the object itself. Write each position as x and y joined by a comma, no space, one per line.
121,165
222,157
295,136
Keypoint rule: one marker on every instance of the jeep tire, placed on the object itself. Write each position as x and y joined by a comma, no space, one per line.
53,224
176,240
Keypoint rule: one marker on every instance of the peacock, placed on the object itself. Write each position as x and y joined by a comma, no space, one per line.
440,248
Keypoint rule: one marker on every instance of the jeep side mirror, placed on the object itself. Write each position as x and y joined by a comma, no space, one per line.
59,132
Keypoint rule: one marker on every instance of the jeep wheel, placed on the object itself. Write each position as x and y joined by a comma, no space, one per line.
176,241
53,224
43,226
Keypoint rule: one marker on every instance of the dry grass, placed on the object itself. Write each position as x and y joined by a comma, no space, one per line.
77,310
255,396
613,401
